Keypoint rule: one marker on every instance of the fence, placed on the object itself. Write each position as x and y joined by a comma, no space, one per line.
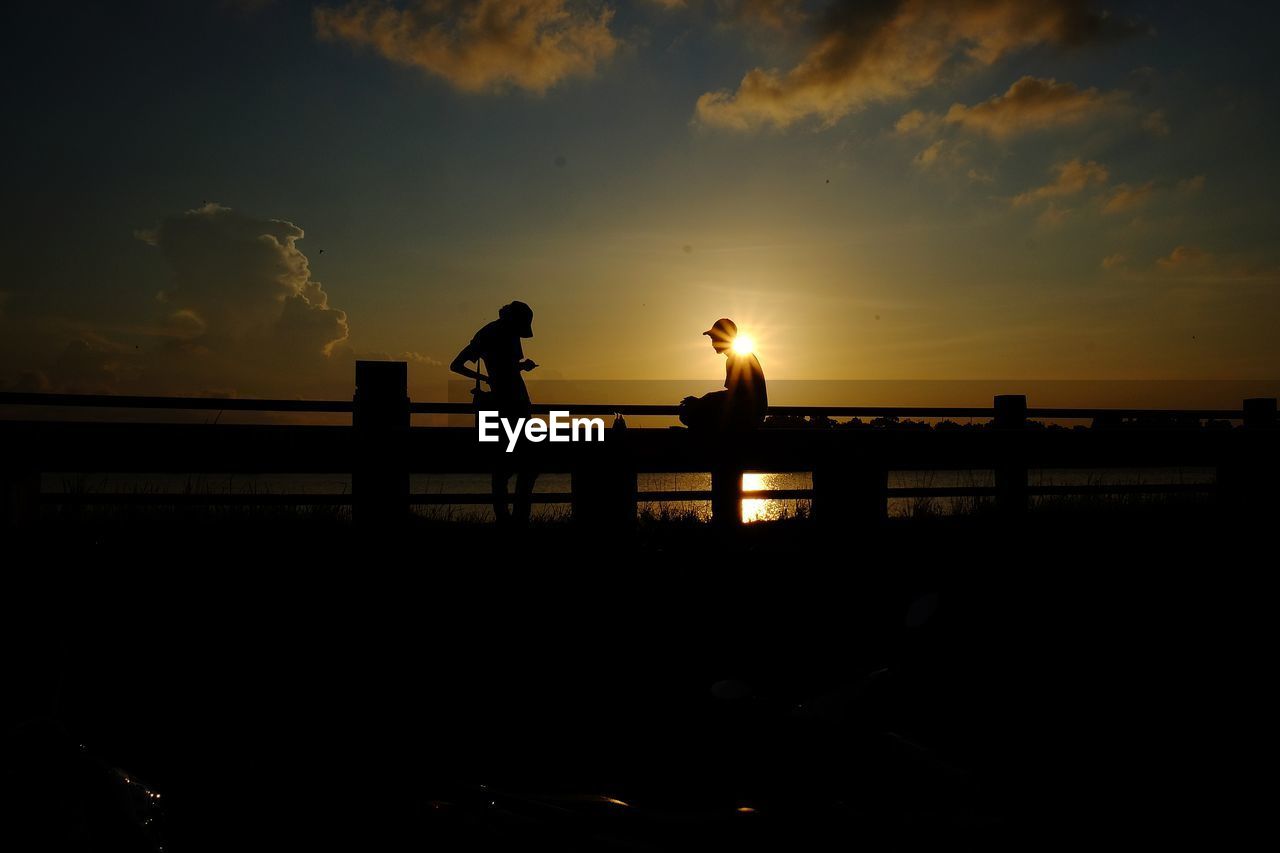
850,467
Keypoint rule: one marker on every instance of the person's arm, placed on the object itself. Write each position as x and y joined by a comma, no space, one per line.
459,365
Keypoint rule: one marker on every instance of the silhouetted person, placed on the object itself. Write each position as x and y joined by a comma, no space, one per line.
498,345
743,403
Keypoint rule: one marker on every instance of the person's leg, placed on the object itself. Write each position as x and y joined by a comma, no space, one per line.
501,513
524,488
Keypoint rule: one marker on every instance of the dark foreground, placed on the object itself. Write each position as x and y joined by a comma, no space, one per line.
1072,676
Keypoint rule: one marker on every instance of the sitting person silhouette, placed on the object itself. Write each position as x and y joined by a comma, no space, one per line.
743,403
498,345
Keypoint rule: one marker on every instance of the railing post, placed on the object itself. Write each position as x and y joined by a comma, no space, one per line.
1011,472
726,494
1260,412
380,422
19,497
1247,477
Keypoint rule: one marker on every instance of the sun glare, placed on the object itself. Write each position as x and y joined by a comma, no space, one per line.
743,344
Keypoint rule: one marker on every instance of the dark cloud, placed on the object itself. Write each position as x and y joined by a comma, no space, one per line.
1182,257
479,45
93,364
241,314
1155,123
888,49
774,14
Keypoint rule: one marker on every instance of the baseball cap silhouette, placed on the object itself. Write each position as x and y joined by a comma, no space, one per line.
723,329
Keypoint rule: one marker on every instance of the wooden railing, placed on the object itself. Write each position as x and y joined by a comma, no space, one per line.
850,466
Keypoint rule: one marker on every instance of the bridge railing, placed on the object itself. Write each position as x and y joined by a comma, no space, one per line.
849,466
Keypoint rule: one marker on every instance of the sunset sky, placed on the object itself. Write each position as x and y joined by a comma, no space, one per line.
242,197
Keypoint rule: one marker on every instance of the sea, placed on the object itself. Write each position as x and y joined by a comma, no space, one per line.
753,510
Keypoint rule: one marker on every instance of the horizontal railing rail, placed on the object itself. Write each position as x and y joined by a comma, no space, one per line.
114,401
242,404
293,499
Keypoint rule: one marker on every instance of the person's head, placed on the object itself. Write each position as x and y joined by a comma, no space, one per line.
519,317
722,333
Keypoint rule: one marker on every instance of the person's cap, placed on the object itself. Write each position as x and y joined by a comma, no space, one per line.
521,315
724,329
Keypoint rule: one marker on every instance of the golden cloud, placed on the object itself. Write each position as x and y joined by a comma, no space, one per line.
1070,178
1126,197
867,53
913,121
1031,103
479,45
929,156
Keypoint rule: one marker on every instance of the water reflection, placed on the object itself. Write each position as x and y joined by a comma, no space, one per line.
768,509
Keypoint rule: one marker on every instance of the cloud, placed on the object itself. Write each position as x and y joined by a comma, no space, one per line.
479,45
420,358
240,314
1053,216
93,364
1181,258
875,52
775,14
1031,103
929,156
782,15
1155,123
1114,262
1191,185
238,277
1070,178
914,121
32,382
1126,197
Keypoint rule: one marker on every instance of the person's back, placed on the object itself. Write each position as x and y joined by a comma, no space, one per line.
748,397
502,353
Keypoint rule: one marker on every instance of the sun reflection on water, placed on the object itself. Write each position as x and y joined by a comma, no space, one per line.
760,509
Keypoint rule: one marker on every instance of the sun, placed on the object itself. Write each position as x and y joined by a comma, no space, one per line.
743,344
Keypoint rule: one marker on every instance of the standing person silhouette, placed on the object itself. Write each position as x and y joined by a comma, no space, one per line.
498,346
743,403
